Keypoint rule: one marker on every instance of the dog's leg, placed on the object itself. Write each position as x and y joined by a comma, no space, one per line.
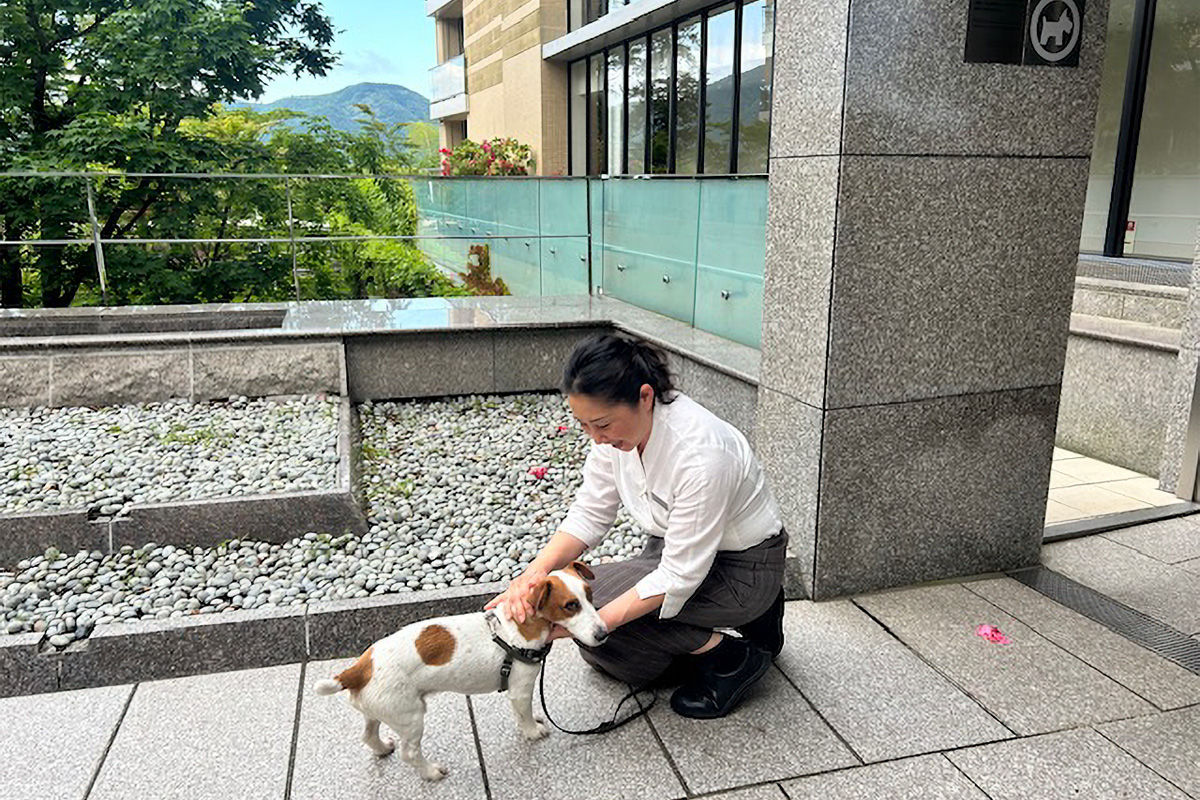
409,725
371,739
520,694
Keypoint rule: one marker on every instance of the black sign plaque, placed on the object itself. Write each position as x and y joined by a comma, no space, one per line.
1031,32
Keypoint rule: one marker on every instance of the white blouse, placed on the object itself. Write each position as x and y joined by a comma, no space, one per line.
697,485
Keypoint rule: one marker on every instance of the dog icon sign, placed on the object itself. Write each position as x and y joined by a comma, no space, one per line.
1054,29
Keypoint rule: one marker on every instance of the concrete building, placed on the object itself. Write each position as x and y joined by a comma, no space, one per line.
933,173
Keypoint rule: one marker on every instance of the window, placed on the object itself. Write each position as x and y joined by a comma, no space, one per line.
687,97
597,151
578,119
1165,204
660,100
754,91
616,109
718,91
637,107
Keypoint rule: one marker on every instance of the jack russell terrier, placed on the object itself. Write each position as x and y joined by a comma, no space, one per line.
469,654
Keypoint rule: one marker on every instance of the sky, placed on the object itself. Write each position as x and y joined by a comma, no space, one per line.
380,41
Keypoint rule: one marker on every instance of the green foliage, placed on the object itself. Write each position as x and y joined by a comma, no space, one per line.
493,157
143,86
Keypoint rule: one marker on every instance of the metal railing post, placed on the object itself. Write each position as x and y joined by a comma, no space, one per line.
99,246
287,187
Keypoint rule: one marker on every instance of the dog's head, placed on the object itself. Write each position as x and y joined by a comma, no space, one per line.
564,597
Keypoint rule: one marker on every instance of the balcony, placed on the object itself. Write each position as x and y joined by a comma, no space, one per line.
448,82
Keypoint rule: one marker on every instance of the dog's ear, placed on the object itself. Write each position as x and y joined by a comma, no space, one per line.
583,570
541,593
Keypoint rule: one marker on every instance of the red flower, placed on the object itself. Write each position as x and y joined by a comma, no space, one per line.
539,472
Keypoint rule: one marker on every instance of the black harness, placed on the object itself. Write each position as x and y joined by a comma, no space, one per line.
523,654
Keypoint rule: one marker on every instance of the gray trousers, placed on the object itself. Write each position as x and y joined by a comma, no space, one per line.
740,587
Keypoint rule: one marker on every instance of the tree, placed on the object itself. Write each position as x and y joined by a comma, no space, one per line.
109,83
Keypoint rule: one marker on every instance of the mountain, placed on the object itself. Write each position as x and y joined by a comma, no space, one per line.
390,102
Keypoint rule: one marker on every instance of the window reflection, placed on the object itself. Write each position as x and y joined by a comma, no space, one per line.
687,97
637,107
754,97
718,91
660,100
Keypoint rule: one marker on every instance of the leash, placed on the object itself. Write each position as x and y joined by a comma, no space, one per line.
539,657
603,727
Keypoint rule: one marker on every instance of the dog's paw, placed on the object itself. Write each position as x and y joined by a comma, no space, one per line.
534,732
433,771
389,747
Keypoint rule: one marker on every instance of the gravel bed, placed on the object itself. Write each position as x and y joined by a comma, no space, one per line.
460,491
106,459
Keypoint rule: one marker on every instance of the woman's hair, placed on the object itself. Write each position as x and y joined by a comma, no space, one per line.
614,368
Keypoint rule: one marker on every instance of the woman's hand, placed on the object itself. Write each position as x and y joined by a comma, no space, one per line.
517,599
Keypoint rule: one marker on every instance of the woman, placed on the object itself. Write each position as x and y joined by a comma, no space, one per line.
716,549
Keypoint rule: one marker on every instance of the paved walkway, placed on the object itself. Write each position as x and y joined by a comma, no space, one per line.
890,695
1083,487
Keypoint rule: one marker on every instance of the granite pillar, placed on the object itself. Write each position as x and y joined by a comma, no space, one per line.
922,234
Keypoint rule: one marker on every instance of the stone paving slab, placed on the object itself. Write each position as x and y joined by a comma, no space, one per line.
1159,680
773,734
1167,593
332,762
208,737
929,777
51,747
625,764
1170,541
853,672
1031,685
1070,765
771,791
1168,743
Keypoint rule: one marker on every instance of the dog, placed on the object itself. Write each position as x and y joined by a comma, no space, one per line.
469,654
1056,29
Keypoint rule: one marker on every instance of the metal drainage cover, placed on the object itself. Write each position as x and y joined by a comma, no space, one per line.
1133,625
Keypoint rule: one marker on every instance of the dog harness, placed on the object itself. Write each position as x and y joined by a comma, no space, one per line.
511,653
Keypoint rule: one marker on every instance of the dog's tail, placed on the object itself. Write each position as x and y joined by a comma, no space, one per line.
328,686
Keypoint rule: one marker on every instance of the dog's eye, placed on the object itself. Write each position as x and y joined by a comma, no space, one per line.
573,605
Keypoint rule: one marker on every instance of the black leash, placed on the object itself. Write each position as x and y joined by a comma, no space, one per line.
603,727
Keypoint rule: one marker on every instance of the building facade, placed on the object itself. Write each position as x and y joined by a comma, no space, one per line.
684,87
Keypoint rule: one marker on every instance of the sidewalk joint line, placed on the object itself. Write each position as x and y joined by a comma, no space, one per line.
108,747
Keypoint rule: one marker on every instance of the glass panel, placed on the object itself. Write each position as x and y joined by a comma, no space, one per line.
731,255
687,97
574,14
754,100
660,100
597,152
1165,205
616,109
1108,124
579,118
649,235
718,91
448,79
596,9
564,266
637,107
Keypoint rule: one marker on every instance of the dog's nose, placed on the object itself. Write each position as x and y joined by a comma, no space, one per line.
601,634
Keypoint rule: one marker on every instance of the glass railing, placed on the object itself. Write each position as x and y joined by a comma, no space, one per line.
448,79
689,248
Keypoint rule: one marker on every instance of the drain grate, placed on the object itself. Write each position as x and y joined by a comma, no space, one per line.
1135,626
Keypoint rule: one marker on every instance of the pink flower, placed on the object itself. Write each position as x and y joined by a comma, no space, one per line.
562,428
444,151
992,634
539,472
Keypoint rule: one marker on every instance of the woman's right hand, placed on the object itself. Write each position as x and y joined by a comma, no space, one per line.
517,599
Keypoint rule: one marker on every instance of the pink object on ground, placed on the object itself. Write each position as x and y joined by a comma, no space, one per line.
539,472
992,634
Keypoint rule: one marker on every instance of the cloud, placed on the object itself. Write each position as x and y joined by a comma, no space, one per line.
369,62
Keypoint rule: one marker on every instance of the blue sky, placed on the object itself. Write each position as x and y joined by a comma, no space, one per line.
381,41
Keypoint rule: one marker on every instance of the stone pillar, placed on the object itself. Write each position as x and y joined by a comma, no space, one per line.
922,234
1180,408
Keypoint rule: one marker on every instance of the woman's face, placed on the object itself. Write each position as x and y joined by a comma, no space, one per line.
623,426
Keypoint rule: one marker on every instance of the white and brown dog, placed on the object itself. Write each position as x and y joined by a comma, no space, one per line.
469,654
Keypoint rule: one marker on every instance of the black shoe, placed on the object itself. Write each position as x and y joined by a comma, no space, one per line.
767,630
723,676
